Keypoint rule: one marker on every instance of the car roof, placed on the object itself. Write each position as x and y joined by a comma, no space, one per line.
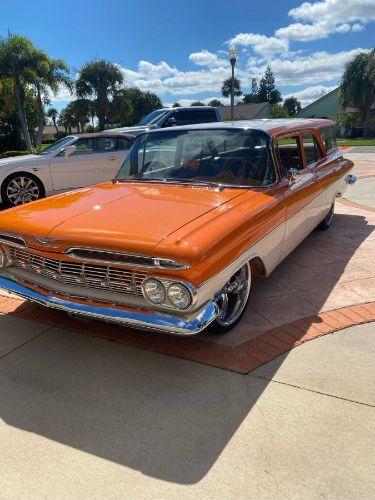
272,126
186,107
105,134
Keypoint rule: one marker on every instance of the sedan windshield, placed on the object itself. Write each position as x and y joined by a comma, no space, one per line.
219,156
153,117
57,145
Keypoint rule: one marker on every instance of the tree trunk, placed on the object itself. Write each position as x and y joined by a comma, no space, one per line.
366,120
22,114
39,136
54,123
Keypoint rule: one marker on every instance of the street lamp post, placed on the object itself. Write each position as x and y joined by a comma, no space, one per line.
233,59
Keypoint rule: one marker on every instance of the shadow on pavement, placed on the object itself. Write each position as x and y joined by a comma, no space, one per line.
165,417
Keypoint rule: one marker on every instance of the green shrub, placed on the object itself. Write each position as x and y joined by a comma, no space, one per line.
8,154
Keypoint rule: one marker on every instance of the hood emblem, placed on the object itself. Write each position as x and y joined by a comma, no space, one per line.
45,242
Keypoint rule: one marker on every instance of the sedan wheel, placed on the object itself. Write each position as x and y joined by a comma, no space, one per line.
20,189
233,300
327,221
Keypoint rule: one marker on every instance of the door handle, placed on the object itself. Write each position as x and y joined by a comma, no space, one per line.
111,158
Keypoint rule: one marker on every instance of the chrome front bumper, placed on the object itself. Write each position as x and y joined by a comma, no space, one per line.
145,320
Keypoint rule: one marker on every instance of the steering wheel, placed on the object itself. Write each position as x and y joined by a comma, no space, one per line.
153,165
244,164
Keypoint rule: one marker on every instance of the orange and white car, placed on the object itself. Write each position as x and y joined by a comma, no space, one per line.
173,242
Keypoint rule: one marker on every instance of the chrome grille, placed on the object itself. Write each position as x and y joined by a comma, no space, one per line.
80,274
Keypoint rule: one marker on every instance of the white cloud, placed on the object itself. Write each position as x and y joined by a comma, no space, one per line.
320,19
310,94
207,58
62,95
335,11
187,102
261,44
318,67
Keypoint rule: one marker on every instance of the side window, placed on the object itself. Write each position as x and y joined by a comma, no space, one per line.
328,137
123,144
105,144
84,146
185,117
289,154
205,116
311,148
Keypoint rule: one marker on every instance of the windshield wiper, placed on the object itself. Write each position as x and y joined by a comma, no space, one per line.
171,180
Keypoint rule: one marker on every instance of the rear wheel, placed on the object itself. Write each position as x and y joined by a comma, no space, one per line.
18,189
327,221
232,301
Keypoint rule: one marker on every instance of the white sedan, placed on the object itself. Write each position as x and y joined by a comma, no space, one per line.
72,162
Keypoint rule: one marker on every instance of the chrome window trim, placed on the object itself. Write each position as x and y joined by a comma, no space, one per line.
70,251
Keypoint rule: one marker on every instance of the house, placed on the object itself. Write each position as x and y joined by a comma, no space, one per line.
328,106
247,111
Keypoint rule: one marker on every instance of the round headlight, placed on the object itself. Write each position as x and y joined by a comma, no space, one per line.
154,291
179,295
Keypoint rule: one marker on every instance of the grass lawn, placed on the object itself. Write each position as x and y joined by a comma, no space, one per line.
356,142
45,146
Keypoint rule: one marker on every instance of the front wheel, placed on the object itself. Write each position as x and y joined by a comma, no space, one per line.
327,221
232,301
18,189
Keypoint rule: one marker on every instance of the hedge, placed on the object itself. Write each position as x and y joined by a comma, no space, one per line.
8,154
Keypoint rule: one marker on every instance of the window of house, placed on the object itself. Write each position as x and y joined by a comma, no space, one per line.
311,148
289,154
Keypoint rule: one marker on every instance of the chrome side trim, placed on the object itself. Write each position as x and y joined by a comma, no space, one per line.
146,320
157,262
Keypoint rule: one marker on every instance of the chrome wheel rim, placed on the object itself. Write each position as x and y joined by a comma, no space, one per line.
233,298
21,190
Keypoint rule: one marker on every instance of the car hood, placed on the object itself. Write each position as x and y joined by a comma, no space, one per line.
18,159
132,217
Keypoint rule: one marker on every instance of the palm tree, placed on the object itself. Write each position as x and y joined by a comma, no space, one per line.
17,56
81,109
99,79
47,75
67,119
226,89
357,87
53,114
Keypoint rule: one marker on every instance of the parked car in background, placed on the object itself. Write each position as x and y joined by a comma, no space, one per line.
72,162
174,242
172,117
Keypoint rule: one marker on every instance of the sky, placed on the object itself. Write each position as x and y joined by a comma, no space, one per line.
179,49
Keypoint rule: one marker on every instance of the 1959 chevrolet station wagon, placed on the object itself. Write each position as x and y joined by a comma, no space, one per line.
173,242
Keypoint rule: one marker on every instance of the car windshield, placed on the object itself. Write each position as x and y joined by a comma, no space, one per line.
153,117
57,145
219,156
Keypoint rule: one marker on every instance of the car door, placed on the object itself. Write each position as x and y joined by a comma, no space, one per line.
95,160
302,190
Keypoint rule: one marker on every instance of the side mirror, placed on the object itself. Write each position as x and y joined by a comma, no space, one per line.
69,150
170,122
293,173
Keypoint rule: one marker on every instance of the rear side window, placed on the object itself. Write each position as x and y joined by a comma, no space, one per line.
289,155
205,116
311,148
328,136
